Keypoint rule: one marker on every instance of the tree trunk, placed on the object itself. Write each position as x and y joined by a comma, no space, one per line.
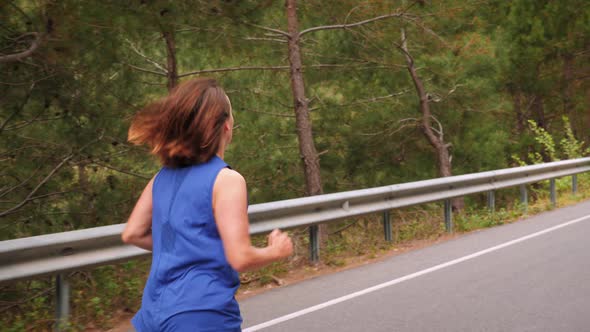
521,118
567,93
539,118
539,111
568,75
437,142
307,150
172,72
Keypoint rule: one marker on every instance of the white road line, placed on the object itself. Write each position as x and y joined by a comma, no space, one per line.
326,304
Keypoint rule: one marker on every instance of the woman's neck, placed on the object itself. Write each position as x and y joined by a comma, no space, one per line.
222,146
221,153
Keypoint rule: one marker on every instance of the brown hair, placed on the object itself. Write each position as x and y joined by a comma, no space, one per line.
185,127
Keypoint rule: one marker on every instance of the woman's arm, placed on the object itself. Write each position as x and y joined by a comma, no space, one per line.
230,208
138,230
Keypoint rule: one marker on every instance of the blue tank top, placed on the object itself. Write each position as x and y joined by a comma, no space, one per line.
191,285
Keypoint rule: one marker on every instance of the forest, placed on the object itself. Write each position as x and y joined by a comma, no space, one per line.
328,96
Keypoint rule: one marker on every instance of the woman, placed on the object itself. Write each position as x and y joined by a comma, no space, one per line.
193,215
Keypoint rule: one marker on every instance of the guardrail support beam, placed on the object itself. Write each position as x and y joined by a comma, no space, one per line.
314,243
491,200
524,197
387,226
575,184
448,216
62,298
552,193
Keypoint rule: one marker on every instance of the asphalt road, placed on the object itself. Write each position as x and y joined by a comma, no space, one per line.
532,275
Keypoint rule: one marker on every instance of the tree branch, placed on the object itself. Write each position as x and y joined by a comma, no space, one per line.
266,39
30,195
402,127
219,70
153,62
276,68
440,127
350,25
26,83
19,109
24,54
146,70
392,132
53,171
9,190
453,90
50,194
26,123
122,171
429,31
277,31
285,115
365,101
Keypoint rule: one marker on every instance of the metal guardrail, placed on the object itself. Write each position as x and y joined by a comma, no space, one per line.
60,252
54,253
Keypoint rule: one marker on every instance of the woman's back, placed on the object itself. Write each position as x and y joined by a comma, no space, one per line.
193,214
190,279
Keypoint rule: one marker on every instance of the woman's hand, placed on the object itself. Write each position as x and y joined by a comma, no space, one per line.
281,243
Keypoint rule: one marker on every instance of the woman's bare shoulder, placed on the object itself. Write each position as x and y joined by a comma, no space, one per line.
229,177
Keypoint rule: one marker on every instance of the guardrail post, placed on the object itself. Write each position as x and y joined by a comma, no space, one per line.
62,298
524,197
491,200
552,192
387,226
575,184
314,243
448,216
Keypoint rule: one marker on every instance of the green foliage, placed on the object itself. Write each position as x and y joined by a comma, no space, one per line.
571,147
545,140
65,111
